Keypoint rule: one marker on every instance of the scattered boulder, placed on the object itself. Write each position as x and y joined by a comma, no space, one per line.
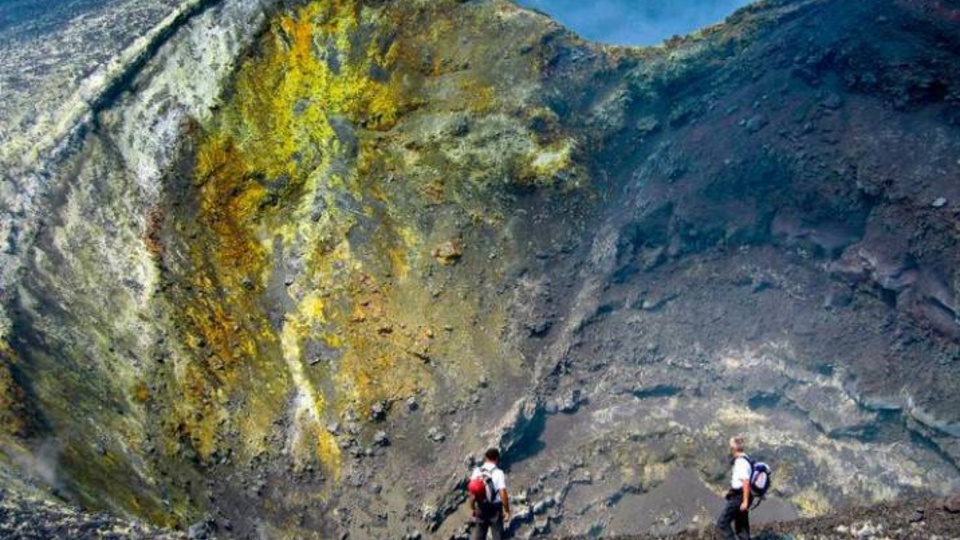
541,507
838,297
460,126
515,425
952,505
202,530
378,412
647,126
541,526
412,404
866,531
436,435
522,515
449,253
756,123
939,202
571,402
539,327
832,102
381,439
431,515
760,284
656,301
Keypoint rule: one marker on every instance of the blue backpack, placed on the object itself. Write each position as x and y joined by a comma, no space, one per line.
760,479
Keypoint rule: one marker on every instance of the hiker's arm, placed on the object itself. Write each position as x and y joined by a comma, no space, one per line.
506,504
745,488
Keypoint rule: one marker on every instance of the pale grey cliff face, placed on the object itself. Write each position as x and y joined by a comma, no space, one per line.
289,265
83,176
182,79
62,57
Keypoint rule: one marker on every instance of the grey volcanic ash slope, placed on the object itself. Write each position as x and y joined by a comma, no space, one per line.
293,268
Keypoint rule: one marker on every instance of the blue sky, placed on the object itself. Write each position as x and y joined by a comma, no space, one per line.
635,22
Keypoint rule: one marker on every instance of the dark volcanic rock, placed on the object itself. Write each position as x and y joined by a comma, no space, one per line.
863,523
37,517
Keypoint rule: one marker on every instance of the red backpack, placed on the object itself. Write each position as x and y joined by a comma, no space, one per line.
481,488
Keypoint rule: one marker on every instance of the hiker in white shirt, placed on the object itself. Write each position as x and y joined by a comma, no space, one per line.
492,511
734,521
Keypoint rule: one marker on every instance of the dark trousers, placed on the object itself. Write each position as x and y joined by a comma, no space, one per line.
490,519
732,519
495,528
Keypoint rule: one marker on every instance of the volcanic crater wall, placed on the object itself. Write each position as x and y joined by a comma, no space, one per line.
310,257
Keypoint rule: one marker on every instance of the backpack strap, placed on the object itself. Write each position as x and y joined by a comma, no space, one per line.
487,475
752,464
749,485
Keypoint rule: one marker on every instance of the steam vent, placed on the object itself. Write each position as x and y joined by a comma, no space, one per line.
281,269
